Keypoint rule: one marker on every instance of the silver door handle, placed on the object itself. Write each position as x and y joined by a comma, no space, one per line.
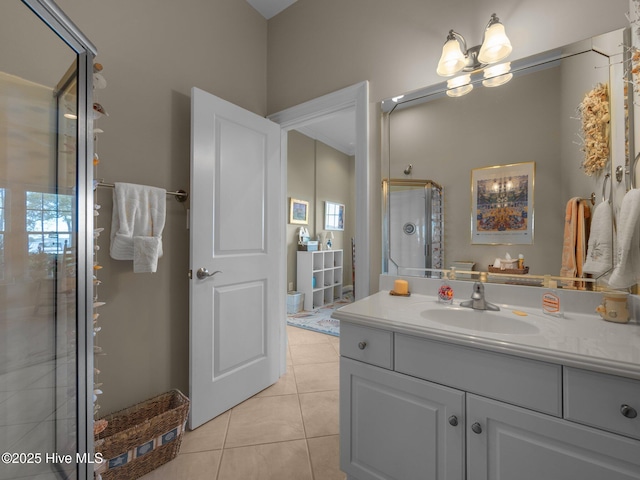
203,273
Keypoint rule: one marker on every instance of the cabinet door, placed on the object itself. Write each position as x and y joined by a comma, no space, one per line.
397,427
512,443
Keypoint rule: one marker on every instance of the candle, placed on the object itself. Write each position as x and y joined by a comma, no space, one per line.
401,287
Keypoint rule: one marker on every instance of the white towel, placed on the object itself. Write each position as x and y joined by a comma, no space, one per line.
136,225
600,249
146,251
627,270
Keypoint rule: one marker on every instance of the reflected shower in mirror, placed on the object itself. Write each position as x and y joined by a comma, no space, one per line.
414,241
533,118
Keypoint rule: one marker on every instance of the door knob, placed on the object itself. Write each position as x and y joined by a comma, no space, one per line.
453,421
362,345
476,428
203,273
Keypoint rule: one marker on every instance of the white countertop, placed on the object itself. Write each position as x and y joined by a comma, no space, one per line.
578,340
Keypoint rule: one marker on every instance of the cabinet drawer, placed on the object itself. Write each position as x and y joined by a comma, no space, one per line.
366,344
598,400
528,383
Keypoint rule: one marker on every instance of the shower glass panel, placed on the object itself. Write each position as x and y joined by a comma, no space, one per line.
38,246
414,225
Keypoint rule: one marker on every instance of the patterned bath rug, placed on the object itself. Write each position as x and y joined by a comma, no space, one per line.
319,319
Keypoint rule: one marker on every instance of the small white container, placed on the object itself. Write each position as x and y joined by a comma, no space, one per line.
614,307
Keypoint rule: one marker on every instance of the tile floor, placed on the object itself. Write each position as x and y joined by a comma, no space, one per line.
287,432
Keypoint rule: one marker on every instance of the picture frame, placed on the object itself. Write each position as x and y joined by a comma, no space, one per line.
502,204
333,216
298,212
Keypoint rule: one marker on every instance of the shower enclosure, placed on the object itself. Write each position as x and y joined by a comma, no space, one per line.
413,227
45,244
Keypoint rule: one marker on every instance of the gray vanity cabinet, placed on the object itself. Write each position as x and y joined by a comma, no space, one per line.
418,409
393,426
512,443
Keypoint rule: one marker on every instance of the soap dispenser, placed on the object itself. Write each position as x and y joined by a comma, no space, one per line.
445,292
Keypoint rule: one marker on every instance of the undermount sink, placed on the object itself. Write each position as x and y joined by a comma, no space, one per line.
504,322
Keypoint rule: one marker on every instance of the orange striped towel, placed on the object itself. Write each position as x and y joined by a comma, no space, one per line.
576,234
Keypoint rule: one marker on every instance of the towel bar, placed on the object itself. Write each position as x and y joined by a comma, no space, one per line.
181,195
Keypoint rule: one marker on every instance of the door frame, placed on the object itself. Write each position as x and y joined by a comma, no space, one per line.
353,97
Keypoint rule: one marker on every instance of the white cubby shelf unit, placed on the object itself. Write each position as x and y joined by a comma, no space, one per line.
325,266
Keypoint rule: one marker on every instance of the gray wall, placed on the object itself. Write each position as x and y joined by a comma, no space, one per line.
153,53
316,173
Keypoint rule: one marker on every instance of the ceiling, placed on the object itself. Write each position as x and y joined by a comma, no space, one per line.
270,8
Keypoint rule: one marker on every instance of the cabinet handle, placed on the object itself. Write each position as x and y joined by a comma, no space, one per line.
476,428
362,345
628,411
453,421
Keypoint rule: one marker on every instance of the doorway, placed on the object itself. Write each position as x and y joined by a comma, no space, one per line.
353,99
320,174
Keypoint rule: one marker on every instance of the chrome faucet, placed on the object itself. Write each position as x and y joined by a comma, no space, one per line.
477,301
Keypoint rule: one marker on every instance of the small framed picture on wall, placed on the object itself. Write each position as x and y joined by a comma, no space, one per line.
298,212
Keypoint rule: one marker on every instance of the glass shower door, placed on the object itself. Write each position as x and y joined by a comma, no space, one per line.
41,344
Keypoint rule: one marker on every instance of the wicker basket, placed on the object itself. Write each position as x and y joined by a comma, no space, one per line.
140,438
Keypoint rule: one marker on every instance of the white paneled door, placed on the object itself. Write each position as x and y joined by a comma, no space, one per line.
237,227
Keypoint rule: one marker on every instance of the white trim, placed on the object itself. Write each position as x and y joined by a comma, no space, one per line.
357,97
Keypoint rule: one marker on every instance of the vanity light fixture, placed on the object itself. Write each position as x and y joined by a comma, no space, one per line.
459,86
457,57
497,75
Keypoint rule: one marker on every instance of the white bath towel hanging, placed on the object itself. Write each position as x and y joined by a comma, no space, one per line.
137,222
600,247
627,268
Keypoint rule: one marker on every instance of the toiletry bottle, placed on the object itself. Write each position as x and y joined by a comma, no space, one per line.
552,303
520,262
445,292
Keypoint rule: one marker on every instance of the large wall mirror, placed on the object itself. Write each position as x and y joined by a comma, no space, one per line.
534,119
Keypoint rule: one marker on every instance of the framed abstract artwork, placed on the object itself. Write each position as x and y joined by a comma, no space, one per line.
502,204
